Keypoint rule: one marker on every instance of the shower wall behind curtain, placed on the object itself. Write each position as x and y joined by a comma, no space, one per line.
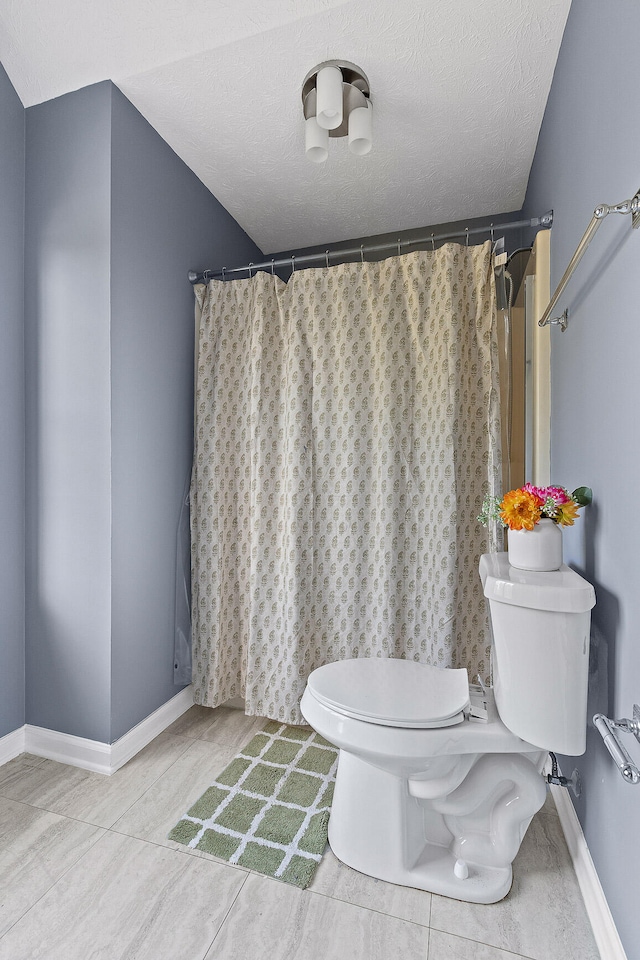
347,430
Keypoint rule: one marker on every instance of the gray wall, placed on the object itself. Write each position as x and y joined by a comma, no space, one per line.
67,318
11,409
114,221
588,153
164,222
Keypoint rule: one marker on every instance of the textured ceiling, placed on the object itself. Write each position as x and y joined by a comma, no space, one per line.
458,89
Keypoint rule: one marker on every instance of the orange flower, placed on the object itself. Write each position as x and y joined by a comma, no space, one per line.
520,510
566,513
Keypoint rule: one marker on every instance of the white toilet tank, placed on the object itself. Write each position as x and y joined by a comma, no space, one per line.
540,624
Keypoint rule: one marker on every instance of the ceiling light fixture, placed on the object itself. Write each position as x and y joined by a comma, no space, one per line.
335,100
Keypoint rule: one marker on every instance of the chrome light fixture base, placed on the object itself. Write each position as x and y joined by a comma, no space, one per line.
356,94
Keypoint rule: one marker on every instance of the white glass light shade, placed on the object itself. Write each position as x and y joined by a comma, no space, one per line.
316,141
360,130
329,98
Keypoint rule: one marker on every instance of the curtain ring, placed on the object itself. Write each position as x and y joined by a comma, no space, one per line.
399,247
326,257
361,253
205,275
491,233
224,270
433,243
249,269
273,263
466,230
293,264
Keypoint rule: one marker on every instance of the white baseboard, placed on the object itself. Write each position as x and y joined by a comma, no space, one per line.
604,928
11,745
139,736
92,754
64,748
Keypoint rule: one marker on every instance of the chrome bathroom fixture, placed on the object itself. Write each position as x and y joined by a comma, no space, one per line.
342,254
336,103
603,210
608,730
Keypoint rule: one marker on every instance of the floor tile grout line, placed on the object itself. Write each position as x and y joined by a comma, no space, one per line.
356,906
107,778
21,756
160,777
188,851
485,943
103,831
92,823
110,827
181,849
188,736
236,867
256,720
224,919
382,913
193,852
98,839
62,875
153,782
56,813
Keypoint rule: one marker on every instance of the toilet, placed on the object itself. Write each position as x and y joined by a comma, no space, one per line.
437,782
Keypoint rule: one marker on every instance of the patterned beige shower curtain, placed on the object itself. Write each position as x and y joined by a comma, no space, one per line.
347,430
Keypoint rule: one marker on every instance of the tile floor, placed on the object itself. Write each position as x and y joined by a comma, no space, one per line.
86,871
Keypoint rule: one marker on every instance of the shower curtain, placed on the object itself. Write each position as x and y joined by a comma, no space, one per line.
347,430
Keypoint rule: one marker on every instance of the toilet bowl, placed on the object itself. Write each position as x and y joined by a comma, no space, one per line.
427,795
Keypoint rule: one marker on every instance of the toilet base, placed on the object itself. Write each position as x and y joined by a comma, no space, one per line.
381,828
434,872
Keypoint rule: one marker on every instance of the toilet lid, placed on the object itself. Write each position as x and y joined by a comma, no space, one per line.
394,693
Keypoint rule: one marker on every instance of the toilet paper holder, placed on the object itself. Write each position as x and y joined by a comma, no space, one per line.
608,730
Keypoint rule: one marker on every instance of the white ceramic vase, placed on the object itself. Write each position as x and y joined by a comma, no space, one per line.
538,549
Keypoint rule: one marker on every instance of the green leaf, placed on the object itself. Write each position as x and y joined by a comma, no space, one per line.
582,496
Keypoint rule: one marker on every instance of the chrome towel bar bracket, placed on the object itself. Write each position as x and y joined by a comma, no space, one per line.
608,730
603,210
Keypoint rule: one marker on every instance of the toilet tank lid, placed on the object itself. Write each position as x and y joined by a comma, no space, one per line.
561,590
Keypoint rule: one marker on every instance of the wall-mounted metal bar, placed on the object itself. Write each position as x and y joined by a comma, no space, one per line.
603,210
339,255
608,730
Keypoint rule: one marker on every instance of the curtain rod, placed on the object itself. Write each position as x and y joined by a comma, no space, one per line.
545,220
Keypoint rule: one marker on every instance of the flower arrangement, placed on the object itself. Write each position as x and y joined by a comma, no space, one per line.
523,508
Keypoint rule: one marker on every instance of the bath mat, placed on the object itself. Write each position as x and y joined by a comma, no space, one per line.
269,808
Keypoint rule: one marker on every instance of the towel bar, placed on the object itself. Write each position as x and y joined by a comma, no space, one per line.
603,210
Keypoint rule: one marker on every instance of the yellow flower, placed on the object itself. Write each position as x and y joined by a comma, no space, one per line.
520,510
566,513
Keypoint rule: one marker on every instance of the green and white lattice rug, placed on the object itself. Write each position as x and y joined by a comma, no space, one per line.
269,809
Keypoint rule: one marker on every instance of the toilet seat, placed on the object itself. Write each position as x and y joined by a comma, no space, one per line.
392,693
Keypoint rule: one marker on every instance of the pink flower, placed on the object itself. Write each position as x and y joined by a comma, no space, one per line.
539,492
558,494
